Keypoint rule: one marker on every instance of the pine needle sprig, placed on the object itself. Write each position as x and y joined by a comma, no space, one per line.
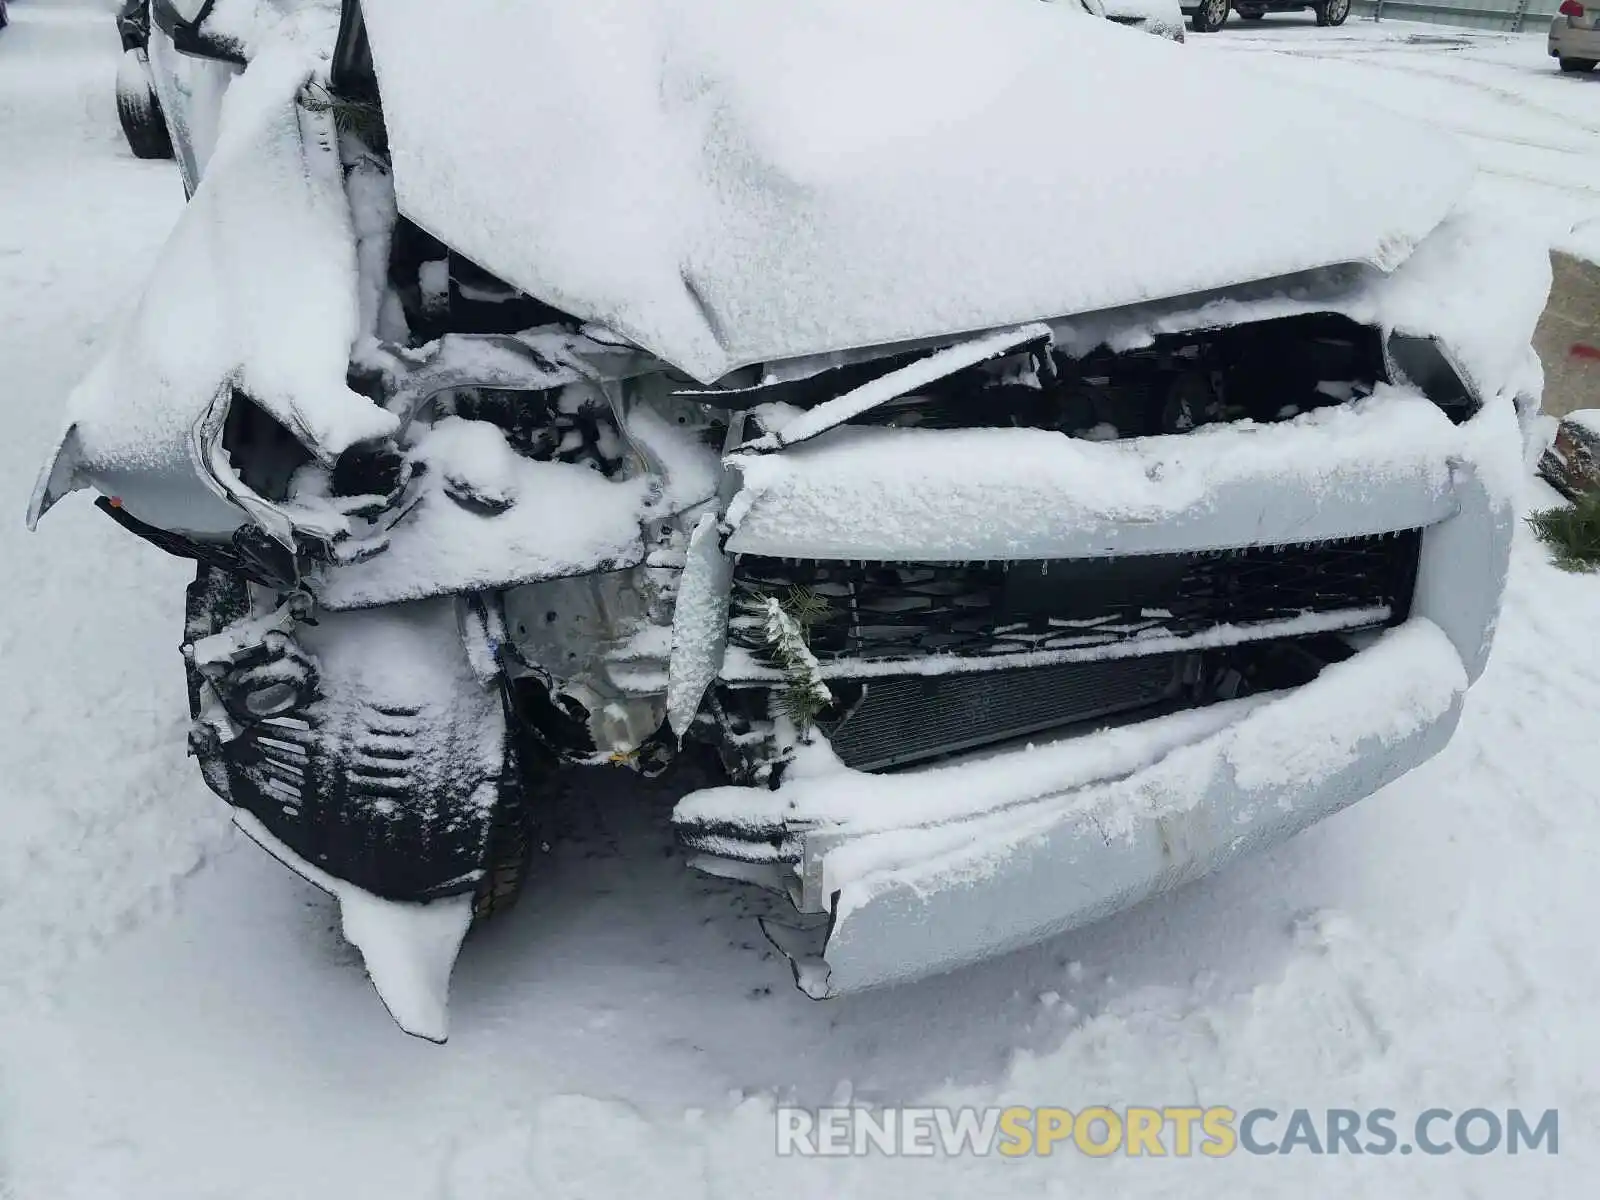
359,118
1572,533
785,627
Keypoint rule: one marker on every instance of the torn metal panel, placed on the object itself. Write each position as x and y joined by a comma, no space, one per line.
860,400
58,476
573,627
572,634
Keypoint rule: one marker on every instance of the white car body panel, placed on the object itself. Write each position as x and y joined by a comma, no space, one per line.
1577,37
727,182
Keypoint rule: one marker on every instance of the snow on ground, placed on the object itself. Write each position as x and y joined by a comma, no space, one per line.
1534,132
179,1018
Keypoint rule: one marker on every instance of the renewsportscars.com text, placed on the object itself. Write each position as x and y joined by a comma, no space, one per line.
1169,1131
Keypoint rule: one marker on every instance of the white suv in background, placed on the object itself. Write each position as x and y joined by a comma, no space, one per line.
1160,17
1574,37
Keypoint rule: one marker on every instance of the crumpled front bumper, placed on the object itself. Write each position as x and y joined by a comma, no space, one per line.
900,876
902,904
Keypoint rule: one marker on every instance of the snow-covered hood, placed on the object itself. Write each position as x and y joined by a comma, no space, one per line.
735,181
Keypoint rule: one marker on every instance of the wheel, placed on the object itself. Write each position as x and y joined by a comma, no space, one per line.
1332,12
1210,16
1577,66
511,834
510,852
139,110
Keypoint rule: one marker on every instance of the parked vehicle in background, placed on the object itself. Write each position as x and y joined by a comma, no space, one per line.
1207,16
138,108
1160,17
1575,36
986,552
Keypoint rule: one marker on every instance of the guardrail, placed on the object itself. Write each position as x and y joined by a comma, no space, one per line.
1520,17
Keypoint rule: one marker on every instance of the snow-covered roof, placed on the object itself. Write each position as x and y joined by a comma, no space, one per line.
735,181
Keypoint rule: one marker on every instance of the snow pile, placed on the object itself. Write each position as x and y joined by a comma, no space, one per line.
733,181
254,24
1584,240
1587,419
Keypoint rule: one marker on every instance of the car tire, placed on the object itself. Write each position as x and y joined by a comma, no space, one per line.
1577,66
139,110
1210,16
1332,12
510,850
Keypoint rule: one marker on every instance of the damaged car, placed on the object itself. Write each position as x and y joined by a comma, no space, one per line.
831,396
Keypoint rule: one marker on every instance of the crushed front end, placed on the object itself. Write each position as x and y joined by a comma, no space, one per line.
1066,630
985,634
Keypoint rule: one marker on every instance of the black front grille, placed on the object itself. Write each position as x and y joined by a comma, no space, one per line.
1263,371
909,718
906,611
